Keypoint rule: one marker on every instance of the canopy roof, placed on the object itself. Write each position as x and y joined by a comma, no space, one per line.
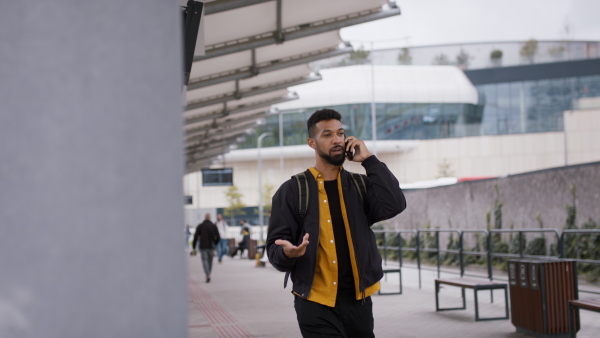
385,84
254,51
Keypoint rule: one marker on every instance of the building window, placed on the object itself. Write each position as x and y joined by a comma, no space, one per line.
211,177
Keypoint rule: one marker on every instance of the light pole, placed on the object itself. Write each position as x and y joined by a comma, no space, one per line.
260,199
373,109
373,105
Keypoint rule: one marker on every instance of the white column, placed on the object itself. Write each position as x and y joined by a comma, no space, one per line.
261,218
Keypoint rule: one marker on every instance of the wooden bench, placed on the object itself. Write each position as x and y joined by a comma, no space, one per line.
591,305
476,285
392,270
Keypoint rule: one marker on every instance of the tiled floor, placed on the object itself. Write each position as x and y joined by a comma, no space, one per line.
243,300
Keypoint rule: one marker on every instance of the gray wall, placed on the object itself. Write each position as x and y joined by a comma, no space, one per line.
523,197
91,215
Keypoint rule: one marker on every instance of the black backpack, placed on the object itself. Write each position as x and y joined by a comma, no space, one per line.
359,181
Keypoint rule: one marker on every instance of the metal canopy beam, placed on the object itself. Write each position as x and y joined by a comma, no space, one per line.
209,143
201,164
213,7
266,88
214,145
203,153
265,67
296,32
224,132
205,158
211,134
224,113
219,124
209,152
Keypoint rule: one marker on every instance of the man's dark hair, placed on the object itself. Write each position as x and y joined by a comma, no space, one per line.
321,115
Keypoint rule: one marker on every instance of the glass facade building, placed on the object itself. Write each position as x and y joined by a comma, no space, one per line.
532,106
521,96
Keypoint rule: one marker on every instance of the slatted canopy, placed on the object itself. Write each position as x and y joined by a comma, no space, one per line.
254,51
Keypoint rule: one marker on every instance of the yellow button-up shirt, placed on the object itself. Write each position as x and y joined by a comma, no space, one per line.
325,283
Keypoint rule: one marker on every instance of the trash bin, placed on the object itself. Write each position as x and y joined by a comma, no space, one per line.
539,294
231,245
252,249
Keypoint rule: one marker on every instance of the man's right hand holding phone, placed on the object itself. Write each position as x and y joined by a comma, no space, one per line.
356,150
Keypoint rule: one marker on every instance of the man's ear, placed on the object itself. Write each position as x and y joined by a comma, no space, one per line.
311,143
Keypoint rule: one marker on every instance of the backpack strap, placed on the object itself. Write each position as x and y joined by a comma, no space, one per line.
303,199
302,207
359,181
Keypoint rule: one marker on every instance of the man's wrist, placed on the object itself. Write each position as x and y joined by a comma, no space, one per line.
366,157
286,255
371,160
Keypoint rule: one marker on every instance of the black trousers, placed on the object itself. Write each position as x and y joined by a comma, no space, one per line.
349,318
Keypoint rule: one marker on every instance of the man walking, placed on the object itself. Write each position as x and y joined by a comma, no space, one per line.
331,253
222,247
208,234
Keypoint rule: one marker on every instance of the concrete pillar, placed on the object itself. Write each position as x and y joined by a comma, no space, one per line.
91,160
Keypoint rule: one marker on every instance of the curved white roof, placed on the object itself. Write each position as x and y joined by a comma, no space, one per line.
392,84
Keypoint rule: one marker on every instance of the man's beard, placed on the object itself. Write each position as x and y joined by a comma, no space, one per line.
335,159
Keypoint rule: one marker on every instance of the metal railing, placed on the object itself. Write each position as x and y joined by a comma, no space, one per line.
489,238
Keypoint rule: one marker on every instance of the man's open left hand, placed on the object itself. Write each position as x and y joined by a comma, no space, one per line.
292,251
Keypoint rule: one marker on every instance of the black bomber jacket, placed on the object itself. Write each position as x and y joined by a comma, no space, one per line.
384,201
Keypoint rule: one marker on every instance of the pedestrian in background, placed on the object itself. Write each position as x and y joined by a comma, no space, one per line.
243,244
208,236
222,247
188,233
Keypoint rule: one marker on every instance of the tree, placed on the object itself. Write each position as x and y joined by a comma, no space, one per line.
557,52
591,250
496,54
514,244
529,49
359,54
268,192
441,59
462,59
404,57
497,209
234,198
498,246
537,246
444,169
496,57
571,244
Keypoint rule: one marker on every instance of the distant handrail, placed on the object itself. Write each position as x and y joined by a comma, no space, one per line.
489,252
578,231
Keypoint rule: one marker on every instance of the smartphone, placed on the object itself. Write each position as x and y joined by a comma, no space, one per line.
350,153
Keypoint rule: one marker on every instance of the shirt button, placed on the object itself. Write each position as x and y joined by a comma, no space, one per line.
328,220
324,201
334,283
333,262
332,241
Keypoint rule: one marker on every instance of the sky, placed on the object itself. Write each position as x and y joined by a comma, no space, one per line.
432,22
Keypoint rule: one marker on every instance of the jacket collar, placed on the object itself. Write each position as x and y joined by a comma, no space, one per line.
317,174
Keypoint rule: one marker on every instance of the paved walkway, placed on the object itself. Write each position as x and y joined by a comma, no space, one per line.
243,300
